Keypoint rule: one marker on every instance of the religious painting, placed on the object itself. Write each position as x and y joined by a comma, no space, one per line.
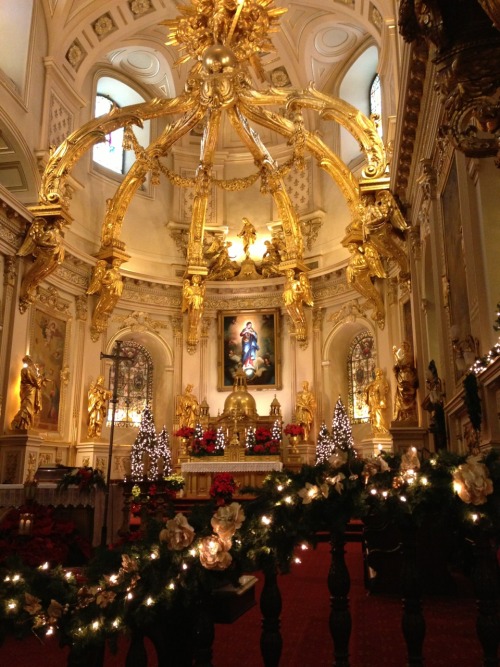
48,336
250,339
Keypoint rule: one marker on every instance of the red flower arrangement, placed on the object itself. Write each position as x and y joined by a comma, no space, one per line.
294,429
223,487
184,432
264,443
206,445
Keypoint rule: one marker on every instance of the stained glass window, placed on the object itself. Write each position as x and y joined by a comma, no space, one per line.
135,384
361,371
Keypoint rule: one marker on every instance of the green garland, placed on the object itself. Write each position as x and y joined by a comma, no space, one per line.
472,401
137,582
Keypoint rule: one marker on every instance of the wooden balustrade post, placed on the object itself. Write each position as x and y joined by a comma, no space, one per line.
137,655
204,634
271,642
339,584
486,588
413,622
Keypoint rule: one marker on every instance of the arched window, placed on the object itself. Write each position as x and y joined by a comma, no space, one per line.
135,384
110,153
376,100
361,371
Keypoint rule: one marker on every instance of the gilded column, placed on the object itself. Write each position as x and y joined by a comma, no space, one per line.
79,404
292,356
318,318
206,323
9,281
177,328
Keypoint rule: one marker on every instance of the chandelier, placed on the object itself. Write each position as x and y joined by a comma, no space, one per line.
225,40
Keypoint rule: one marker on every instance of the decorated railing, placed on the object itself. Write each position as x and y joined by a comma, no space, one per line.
172,568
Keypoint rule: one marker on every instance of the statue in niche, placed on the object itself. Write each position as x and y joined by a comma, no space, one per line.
30,395
434,404
376,398
405,406
45,242
109,284
296,292
305,405
97,397
364,264
188,408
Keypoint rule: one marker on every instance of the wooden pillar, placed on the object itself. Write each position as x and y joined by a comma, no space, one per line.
413,622
270,605
339,584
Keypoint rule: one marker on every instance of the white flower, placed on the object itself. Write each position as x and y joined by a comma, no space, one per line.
336,482
472,482
178,534
309,493
214,553
227,520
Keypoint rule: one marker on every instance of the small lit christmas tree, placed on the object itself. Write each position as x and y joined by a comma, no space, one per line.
276,431
198,432
250,440
163,451
342,440
324,445
146,443
220,442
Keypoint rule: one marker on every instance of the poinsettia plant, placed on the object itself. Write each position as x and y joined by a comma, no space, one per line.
223,488
294,429
184,432
260,442
206,445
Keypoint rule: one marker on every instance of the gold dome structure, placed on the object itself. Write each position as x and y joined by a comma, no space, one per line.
240,405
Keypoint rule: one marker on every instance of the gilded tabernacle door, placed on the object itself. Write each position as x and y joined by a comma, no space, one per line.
250,338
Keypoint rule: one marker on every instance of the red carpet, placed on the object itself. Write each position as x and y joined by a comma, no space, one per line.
376,640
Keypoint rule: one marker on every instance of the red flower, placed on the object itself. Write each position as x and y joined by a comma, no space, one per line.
184,432
293,429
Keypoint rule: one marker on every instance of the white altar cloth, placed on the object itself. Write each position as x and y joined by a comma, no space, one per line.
231,466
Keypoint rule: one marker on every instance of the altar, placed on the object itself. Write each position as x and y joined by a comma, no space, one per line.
199,474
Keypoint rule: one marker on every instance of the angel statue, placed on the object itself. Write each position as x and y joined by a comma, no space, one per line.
222,267
271,259
45,242
193,295
380,220
365,262
109,284
296,292
405,406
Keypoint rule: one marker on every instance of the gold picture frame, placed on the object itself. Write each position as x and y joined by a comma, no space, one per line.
250,338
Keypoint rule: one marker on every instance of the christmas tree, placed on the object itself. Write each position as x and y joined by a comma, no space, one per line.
276,431
220,442
145,444
324,445
250,440
342,440
164,452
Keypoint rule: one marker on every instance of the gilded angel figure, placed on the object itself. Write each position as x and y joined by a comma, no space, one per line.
45,242
297,291
109,284
193,295
365,262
